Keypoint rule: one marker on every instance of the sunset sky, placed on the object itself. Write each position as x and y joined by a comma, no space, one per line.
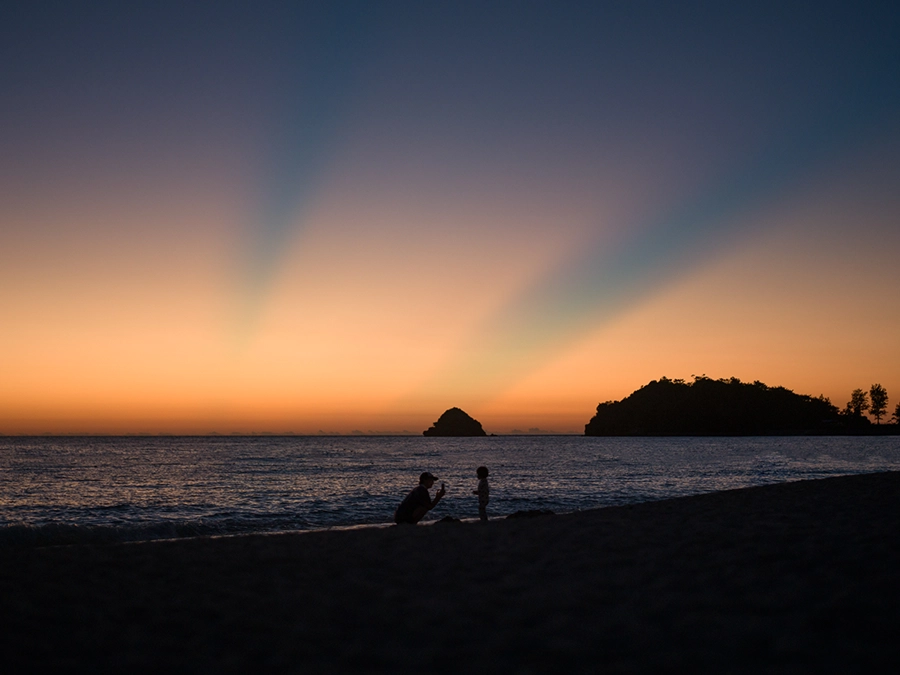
337,217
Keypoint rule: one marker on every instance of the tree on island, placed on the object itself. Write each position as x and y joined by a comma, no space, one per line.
879,398
455,422
897,414
713,407
858,403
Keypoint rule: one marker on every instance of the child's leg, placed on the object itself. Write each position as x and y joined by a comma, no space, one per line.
482,511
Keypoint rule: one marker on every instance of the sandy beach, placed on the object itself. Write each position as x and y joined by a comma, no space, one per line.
797,577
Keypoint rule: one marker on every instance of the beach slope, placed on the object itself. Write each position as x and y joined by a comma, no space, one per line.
796,577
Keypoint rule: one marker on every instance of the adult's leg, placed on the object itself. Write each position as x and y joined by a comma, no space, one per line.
418,513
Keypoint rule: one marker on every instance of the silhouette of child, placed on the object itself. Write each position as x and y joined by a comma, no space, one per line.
483,491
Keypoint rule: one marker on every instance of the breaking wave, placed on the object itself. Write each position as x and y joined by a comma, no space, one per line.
67,534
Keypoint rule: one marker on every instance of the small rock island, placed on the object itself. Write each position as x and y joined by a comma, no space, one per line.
455,422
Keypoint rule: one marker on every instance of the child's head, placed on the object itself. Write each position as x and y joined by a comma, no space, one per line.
481,472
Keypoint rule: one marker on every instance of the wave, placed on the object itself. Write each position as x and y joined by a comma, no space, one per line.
68,534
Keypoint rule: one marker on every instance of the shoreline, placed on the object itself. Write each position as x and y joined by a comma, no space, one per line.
50,535
791,577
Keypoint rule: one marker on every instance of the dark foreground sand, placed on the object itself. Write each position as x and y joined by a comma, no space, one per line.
800,577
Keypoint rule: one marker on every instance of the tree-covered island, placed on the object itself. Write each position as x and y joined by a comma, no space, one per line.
724,407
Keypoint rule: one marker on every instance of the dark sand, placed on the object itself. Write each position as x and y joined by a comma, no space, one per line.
799,577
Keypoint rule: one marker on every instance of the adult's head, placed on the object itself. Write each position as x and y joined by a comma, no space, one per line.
427,480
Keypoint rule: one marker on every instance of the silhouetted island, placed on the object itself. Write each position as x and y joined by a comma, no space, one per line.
455,422
726,407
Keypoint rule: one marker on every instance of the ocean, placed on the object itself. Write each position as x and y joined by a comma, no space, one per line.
116,489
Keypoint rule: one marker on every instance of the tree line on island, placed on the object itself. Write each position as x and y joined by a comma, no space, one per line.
875,401
729,407
708,407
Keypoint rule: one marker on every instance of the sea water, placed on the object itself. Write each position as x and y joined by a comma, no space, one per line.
62,490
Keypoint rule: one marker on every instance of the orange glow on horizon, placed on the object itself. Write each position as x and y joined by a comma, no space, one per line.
125,322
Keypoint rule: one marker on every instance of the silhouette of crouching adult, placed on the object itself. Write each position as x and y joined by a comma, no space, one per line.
419,501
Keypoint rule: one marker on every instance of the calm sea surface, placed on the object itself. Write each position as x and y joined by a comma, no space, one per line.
56,490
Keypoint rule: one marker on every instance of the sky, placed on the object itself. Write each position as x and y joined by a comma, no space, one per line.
344,217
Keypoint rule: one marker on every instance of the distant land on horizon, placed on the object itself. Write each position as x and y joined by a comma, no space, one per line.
725,407
664,407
